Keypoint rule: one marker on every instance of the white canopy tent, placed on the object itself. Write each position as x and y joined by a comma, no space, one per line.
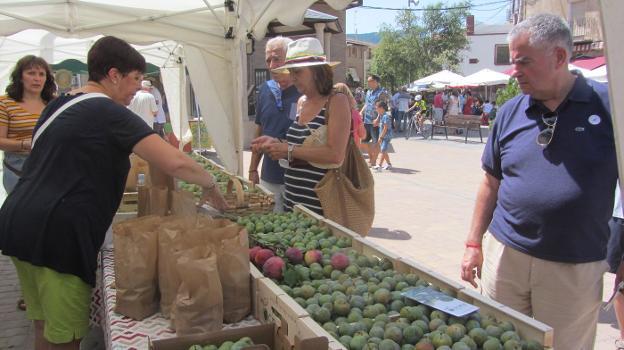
598,74
55,49
208,37
442,77
487,77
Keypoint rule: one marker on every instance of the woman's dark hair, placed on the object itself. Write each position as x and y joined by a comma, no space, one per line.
323,76
382,104
111,52
15,89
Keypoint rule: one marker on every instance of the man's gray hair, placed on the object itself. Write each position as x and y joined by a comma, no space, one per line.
545,31
279,42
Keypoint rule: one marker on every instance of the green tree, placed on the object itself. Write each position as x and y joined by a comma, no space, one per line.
510,91
416,46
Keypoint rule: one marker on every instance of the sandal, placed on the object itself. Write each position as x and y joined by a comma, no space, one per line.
21,304
619,344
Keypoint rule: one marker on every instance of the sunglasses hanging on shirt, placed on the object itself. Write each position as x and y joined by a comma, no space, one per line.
545,136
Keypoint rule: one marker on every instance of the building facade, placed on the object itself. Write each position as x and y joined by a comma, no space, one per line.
359,55
488,48
583,16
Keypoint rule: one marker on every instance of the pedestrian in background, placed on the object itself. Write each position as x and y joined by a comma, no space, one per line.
161,118
357,125
467,110
275,111
369,114
438,108
385,135
453,104
144,105
30,89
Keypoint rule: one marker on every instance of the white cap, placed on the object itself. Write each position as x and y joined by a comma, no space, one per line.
146,84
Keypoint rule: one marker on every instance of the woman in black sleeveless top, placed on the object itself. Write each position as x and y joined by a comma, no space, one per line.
306,164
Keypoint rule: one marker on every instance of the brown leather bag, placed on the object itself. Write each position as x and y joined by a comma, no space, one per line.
347,193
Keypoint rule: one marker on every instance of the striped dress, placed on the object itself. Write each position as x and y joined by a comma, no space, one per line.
300,181
20,123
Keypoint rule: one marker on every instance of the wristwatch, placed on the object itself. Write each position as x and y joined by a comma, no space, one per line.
291,147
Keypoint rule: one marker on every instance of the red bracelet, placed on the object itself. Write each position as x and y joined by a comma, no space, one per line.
473,245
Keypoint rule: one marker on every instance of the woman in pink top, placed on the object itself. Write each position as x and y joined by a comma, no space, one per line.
357,125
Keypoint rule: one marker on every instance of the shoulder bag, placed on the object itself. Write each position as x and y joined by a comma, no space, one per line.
347,192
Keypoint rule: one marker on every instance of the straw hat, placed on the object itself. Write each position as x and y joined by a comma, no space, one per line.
304,52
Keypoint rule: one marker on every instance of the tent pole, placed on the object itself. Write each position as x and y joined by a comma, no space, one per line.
215,14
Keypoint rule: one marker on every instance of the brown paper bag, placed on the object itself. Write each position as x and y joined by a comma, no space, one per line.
171,240
232,247
158,200
183,203
143,201
199,302
136,251
137,166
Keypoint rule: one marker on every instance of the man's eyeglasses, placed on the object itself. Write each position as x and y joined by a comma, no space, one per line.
545,136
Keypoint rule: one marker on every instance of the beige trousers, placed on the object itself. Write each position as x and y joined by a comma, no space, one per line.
565,296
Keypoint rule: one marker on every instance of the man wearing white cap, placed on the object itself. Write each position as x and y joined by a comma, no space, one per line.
144,104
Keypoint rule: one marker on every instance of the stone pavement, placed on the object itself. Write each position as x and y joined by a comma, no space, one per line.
423,210
14,327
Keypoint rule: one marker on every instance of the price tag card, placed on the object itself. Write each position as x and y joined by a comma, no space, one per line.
440,301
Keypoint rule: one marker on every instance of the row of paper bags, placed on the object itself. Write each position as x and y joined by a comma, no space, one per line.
195,268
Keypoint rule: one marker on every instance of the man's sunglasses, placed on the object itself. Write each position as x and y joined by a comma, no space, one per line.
545,136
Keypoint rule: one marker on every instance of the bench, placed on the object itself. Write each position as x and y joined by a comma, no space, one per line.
459,122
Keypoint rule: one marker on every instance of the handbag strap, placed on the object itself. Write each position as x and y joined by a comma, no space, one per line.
61,109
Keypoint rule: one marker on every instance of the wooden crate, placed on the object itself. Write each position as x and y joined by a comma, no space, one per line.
273,305
254,276
129,203
527,327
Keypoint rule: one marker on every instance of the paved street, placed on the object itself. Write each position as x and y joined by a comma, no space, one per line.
423,211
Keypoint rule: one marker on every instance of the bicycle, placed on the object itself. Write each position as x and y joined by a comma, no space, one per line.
419,124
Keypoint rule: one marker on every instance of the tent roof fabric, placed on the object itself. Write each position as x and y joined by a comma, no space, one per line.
598,74
443,76
589,63
209,37
487,77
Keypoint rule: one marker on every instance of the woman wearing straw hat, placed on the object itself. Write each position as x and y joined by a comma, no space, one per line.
306,163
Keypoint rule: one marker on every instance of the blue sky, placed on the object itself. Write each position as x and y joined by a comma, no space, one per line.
369,20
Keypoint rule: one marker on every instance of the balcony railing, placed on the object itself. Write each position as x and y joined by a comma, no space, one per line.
586,28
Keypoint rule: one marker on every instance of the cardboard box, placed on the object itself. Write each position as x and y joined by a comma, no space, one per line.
264,336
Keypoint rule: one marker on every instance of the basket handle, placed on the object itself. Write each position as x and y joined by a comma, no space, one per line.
240,193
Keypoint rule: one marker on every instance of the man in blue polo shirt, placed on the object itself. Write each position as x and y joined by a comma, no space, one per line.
547,196
371,121
275,112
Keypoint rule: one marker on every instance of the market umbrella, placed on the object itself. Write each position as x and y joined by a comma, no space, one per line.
441,77
598,74
487,77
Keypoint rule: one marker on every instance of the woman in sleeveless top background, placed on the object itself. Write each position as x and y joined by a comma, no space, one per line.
312,75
